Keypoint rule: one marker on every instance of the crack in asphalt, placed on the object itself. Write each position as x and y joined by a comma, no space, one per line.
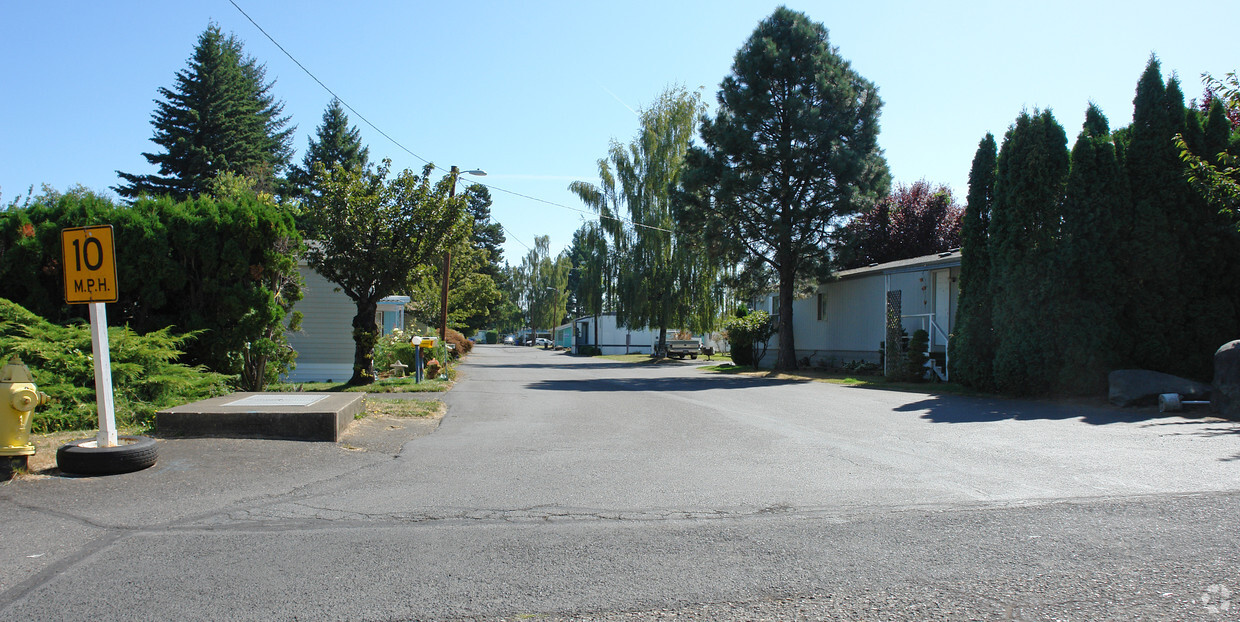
301,516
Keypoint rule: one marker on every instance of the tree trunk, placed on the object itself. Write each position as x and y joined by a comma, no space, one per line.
662,347
365,335
787,359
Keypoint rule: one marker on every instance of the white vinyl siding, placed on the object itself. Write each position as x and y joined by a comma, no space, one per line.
325,344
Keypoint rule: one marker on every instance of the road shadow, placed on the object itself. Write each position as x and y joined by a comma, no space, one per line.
556,365
1204,428
971,409
967,409
702,383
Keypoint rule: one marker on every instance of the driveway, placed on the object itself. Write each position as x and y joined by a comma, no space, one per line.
560,487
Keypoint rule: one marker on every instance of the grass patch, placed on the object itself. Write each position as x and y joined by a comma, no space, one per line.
403,408
640,359
385,385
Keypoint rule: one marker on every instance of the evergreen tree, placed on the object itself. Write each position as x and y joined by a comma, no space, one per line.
1029,182
487,236
1183,301
334,142
221,117
792,150
1154,301
973,348
1217,132
1096,213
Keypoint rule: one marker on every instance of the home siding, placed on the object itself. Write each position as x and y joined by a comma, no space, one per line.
854,326
612,339
325,343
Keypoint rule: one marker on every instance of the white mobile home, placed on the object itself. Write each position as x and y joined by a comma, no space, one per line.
613,339
845,318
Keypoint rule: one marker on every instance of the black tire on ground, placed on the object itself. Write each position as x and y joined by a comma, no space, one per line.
693,356
82,457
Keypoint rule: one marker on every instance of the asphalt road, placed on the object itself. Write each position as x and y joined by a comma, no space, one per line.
572,488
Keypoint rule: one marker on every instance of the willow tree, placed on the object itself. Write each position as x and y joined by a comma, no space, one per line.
666,278
544,283
792,151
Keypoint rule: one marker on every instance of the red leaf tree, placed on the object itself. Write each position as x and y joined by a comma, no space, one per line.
914,220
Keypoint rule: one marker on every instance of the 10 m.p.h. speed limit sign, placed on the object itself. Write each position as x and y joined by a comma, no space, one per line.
90,278
89,264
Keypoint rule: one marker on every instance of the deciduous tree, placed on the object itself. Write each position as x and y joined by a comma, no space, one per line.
375,235
666,278
914,220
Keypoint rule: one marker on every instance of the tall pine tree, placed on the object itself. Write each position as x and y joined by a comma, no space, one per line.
973,348
792,150
1029,182
219,117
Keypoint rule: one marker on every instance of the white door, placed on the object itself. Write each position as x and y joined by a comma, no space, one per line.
942,305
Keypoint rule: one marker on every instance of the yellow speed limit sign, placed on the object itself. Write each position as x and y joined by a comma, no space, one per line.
89,264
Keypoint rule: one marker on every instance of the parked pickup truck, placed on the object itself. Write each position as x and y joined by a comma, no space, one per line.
679,348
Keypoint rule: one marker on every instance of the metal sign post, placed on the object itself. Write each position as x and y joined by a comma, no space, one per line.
89,260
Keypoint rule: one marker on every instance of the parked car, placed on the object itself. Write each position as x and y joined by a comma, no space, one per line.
542,341
509,340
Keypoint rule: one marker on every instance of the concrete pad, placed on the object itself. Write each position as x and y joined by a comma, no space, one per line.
292,416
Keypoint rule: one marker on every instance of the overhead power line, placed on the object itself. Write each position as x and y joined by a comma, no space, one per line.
376,128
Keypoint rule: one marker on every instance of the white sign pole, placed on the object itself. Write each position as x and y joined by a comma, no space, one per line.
103,375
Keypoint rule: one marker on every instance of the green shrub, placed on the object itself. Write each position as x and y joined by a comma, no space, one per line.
145,377
747,336
492,337
917,355
225,266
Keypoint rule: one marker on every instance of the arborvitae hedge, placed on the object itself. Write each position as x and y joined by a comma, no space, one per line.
1096,215
1122,266
973,346
201,265
1024,227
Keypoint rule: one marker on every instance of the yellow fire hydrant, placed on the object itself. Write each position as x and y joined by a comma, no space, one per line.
19,397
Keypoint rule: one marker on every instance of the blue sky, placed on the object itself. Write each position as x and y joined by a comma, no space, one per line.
534,92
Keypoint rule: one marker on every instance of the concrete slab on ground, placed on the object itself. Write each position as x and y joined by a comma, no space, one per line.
292,416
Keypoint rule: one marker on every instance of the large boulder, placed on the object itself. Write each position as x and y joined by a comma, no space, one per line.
1140,387
1226,397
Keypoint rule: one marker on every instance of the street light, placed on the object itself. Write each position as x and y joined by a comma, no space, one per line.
447,259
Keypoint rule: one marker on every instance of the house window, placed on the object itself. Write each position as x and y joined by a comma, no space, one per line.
822,306
774,306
